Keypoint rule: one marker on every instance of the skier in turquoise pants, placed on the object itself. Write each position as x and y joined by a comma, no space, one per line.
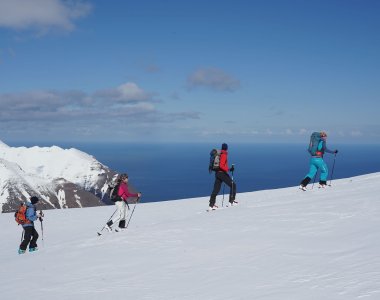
317,162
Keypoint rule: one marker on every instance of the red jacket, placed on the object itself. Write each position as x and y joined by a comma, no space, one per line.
123,191
223,165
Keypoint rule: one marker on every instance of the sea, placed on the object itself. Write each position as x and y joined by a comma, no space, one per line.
163,172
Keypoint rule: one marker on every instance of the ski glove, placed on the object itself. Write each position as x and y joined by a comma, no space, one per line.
336,151
232,168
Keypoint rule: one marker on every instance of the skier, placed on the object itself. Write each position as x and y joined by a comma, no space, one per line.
317,162
30,233
221,175
121,205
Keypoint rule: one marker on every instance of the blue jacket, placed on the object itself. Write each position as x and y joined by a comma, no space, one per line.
322,148
31,214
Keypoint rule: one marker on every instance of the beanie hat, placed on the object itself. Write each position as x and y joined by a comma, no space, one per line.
34,199
224,146
123,176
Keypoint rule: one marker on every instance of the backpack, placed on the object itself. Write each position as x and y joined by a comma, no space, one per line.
214,160
112,191
315,138
20,215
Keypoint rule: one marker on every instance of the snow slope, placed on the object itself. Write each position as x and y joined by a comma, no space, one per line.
54,162
276,244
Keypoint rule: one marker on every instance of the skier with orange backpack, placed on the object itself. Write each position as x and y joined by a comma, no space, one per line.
26,216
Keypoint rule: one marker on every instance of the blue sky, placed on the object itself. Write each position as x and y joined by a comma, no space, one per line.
189,71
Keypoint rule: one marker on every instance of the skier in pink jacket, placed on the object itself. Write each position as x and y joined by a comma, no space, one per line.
122,204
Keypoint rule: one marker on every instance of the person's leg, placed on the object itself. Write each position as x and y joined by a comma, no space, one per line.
233,192
217,186
123,215
312,171
33,242
28,231
224,177
324,172
117,215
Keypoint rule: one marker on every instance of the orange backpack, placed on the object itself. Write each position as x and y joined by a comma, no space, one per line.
20,215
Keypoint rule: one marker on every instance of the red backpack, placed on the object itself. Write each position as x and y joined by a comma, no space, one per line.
20,215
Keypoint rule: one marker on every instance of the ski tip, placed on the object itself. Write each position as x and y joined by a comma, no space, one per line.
99,234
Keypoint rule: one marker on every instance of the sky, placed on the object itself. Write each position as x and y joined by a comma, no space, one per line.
189,71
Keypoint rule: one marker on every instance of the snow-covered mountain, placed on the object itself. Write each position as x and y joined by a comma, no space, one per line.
283,244
62,178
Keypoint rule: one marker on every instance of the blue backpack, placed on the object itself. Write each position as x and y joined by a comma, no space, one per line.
315,139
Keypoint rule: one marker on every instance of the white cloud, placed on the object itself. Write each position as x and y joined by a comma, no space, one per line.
127,100
42,15
131,92
356,133
213,78
289,131
269,131
128,92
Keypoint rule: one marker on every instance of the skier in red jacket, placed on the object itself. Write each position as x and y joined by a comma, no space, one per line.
221,175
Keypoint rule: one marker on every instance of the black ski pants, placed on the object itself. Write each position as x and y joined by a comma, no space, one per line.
30,235
221,177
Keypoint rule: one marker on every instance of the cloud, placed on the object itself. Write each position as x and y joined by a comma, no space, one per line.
151,68
175,96
213,78
42,15
41,105
127,101
289,131
126,93
356,133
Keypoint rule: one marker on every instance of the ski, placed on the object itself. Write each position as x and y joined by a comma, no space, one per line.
223,207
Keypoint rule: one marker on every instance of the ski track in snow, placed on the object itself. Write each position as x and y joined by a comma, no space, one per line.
276,244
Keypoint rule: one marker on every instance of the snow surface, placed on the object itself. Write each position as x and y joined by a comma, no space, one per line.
54,162
39,171
276,244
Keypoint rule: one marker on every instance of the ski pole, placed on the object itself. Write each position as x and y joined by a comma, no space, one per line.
332,171
22,235
42,228
99,232
232,180
129,220
223,194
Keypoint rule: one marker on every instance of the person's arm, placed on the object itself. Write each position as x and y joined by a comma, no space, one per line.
31,214
124,192
325,149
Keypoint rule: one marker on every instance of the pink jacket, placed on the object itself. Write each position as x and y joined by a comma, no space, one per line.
124,193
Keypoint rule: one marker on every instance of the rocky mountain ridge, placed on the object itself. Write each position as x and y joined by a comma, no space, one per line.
61,178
